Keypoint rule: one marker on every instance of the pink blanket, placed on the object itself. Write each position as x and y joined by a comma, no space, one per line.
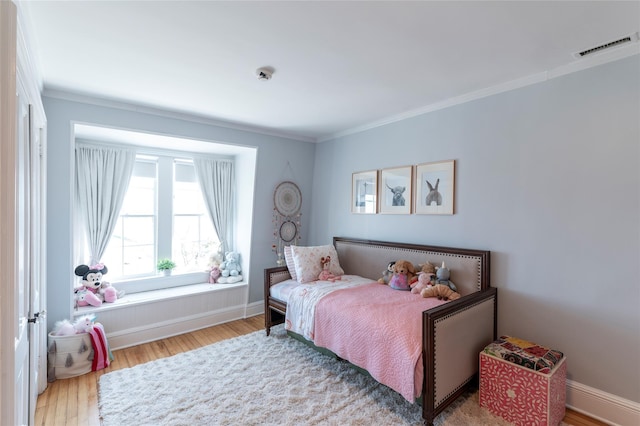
100,347
378,329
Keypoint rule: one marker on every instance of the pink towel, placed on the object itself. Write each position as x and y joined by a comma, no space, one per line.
100,347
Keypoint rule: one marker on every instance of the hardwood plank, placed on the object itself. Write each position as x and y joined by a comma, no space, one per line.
52,402
575,418
189,342
75,400
83,389
73,392
93,413
41,409
61,408
203,337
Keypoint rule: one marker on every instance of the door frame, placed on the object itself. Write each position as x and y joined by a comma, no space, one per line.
8,209
18,74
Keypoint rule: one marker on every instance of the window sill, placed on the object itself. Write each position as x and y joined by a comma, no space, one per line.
159,282
156,295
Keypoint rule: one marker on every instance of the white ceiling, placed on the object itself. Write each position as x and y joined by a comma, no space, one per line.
339,66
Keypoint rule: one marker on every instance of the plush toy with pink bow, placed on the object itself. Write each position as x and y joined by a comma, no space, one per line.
93,289
325,274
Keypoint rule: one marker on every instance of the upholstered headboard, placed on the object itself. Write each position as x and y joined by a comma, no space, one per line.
469,268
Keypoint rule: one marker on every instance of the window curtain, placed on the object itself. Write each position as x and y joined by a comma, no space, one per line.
217,182
102,179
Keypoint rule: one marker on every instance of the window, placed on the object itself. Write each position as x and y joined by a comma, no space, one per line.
132,249
194,238
156,221
163,215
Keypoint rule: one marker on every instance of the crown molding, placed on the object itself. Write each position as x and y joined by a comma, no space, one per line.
576,66
579,65
194,118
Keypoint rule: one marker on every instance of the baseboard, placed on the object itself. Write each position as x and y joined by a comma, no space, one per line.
601,405
139,335
255,308
144,334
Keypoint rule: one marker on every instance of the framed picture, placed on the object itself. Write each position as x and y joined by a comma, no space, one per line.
364,190
434,188
395,190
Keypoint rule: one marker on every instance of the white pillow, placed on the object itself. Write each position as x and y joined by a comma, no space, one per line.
288,258
307,261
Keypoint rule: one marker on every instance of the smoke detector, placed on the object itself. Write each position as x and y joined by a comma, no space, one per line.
264,73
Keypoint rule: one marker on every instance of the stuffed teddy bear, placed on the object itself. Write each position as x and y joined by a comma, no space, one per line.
230,268
386,275
403,273
440,291
231,264
214,274
92,281
325,274
216,259
442,277
426,278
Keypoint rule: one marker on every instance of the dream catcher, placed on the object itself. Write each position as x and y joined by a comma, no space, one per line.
287,201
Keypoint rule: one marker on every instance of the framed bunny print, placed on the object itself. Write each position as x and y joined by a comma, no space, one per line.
434,187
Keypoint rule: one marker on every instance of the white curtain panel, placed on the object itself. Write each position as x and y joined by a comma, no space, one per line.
217,181
102,179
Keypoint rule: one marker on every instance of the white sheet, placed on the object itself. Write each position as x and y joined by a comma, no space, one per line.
282,290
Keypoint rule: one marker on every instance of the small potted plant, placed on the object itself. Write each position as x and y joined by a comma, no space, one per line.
166,265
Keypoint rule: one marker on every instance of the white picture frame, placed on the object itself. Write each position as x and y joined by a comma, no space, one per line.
364,192
395,190
435,188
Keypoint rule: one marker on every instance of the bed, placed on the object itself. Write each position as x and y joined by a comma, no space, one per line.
449,334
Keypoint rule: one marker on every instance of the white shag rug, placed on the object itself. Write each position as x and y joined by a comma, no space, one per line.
260,380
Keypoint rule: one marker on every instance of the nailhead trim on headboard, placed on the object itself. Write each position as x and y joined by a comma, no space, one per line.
370,259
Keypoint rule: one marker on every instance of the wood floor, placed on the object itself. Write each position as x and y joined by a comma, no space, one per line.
74,401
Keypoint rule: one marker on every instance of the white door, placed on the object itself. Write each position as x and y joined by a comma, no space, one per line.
18,225
36,261
23,242
22,220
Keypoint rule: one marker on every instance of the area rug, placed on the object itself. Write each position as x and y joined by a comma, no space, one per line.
259,380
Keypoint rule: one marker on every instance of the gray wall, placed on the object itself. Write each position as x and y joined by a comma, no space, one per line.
547,178
271,168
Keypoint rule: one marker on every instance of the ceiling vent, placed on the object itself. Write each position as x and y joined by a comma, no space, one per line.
616,43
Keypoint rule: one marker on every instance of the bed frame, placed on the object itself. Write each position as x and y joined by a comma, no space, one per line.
453,334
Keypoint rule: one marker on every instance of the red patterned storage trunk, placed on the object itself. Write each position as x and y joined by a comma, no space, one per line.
522,382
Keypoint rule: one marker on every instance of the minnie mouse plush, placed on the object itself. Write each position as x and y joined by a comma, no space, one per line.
94,290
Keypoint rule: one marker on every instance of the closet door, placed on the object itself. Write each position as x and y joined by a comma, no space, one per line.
22,242
35,251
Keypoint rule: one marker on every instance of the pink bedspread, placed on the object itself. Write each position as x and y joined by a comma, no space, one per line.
378,329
